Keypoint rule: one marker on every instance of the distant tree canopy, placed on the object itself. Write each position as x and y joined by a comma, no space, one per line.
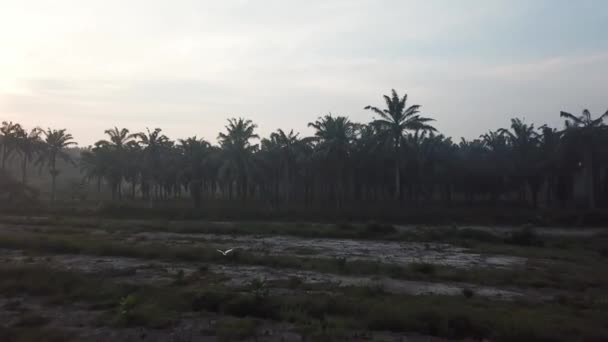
398,157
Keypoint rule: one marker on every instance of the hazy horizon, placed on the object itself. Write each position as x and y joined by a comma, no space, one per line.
187,66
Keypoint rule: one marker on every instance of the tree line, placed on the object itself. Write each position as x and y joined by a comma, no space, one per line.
397,157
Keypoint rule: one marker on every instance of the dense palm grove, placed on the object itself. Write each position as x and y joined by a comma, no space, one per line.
397,157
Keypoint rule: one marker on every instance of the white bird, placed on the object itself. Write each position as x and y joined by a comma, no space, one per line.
225,253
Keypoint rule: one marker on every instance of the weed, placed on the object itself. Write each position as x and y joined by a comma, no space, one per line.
126,307
341,263
259,288
180,278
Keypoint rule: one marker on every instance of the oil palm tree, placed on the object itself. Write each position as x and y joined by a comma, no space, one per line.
94,164
152,142
584,132
53,148
8,132
238,151
286,146
333,144
524,141
393,122
117,145
27,145
194,154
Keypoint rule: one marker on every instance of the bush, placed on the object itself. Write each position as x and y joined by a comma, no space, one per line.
126,307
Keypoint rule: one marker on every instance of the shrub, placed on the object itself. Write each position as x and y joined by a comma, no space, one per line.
126,307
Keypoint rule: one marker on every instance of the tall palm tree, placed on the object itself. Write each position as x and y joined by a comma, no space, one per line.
153,142
236,144
194,153
55,143
286,146
584,132
117,145
333,141
550,163
394,121
94,164
524,141
8,131
27,144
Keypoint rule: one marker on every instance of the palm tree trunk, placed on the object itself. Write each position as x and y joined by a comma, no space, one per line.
53,181
588,156
397,170
4,149
53,178
24,171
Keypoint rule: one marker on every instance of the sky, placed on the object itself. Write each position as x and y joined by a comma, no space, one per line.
187,65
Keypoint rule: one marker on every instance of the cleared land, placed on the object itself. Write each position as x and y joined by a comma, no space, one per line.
126,280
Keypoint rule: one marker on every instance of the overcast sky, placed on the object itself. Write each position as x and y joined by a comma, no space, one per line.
188,65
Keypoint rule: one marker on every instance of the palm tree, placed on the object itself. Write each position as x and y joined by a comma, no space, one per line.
55,143
238,150
584,132
524,141
333,142
549,151
286,146
27,145
394,121
194,153
94,164
153,142
120,141
7,140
